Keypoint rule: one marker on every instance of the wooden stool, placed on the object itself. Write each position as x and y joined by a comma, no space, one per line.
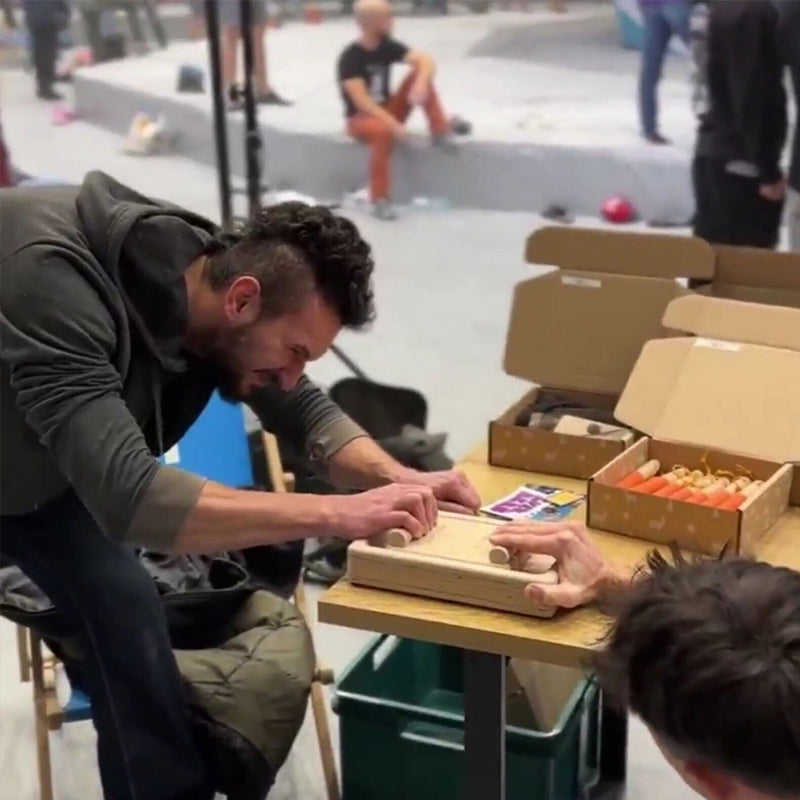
284,482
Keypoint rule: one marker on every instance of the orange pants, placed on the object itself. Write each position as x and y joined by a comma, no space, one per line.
378,135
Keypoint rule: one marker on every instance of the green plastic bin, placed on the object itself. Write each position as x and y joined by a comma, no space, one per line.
401,709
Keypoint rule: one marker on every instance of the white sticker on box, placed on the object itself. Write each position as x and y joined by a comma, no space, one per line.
587,283
718,344
173,455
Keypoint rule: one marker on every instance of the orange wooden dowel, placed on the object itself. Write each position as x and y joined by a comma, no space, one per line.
651,485
639,475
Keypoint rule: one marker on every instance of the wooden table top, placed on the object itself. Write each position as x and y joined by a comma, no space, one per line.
567,639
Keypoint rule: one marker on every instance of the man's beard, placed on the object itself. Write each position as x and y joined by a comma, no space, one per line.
218,355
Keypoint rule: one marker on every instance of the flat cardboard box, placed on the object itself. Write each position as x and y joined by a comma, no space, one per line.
729,397
755,275
579,329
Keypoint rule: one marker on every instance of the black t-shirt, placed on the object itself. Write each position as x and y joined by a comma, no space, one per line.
373,66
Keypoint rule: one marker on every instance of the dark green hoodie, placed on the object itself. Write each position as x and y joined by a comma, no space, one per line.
94,383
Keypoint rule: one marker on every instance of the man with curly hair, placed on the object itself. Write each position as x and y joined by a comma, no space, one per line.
707,654
120,316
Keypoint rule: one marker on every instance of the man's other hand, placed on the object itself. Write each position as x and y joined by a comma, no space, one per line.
584,574
451,488
358,516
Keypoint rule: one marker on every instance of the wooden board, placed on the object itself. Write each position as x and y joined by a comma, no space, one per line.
451,563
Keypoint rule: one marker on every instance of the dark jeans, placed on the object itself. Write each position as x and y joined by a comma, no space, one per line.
729,209
662,19
44,47
144,742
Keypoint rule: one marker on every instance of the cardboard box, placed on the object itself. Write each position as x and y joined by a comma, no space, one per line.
729,397
755,275
579,330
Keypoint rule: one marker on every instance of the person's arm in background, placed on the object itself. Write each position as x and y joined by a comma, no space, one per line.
57,340
334,444
585,576
755,81
356,89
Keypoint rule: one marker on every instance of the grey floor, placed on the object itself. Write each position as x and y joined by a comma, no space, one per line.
443,287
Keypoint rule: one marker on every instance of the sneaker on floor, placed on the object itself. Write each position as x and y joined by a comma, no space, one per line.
272,98
656,138
384,210
49,94
460,126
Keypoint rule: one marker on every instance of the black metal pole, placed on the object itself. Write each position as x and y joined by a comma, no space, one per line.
484,726
252,138
220,129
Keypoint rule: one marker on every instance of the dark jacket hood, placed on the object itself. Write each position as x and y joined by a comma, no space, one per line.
126,232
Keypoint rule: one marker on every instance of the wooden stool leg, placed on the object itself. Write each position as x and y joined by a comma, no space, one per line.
284,482
319,708
40,714
23,654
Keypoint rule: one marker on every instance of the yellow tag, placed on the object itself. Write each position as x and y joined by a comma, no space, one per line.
564,498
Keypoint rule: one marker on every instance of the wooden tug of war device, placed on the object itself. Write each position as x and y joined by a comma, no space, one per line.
455,561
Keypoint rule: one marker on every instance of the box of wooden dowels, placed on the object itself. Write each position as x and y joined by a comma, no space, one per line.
722,410
575,333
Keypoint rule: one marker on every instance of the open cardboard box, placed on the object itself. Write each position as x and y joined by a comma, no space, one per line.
755,275
579,330
728,397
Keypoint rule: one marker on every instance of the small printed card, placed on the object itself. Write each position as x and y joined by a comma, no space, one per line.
539,503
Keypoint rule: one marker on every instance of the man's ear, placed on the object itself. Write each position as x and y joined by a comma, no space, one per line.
709,782
243,300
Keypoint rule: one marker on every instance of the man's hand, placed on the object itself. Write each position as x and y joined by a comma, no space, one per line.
452,489
584,574
398,505
773,191
418,93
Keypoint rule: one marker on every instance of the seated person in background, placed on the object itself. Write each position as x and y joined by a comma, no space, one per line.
374,115
707,654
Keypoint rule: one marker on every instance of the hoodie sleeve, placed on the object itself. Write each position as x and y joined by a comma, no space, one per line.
307,417
58,340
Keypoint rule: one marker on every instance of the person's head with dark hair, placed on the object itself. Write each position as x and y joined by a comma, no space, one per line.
707,654
273,295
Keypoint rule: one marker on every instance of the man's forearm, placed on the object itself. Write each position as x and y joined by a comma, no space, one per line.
363,464
231,519
369,106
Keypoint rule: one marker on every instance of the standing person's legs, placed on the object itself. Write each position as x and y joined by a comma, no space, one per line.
145,746
729,208
793,219
131,8
230,51
656,36
377,134
260,80
44,43
678,14
151,12
400,107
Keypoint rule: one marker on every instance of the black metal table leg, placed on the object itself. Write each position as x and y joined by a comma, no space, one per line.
613,754
484,726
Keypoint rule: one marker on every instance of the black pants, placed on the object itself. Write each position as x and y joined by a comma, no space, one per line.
144,742
729,209
44,44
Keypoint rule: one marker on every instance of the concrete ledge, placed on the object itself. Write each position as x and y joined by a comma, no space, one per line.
481,175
